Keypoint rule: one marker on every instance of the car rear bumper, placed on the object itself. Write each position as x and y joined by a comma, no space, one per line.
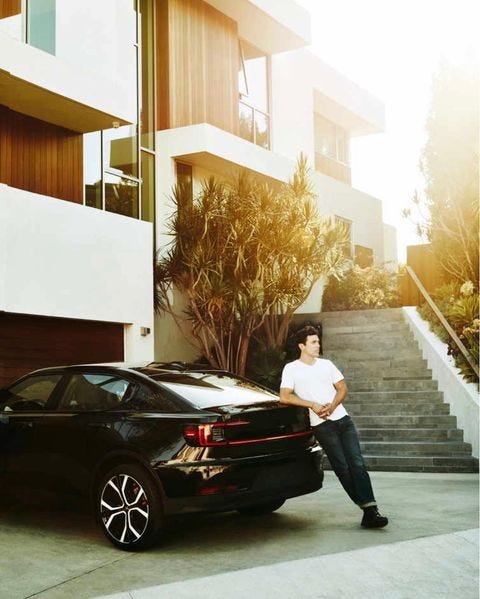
226,486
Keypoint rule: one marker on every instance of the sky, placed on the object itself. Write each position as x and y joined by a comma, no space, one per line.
392,48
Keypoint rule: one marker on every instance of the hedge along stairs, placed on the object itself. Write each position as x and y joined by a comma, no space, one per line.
403,423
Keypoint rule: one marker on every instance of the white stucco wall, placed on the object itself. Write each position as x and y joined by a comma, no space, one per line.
365,211
291,107
66,260
302,84
462,397
99,37
390,247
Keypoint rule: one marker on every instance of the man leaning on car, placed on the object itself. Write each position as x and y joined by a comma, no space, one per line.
318,385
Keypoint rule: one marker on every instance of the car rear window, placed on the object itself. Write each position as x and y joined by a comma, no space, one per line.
204,390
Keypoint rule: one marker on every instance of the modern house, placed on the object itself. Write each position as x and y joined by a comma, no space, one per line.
103,107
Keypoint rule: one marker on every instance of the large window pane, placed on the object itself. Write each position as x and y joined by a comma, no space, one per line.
148,187
325,137
92,169
342,146
41,24
121,195
120,150
255,88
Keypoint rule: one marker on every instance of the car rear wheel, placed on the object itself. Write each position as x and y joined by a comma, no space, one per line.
128,507
260,509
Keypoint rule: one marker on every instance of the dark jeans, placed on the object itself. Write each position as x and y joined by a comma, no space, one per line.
339,439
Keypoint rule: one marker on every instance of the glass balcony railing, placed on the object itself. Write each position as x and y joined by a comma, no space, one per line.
254,125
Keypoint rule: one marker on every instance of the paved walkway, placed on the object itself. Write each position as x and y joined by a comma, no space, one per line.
312,547
438,566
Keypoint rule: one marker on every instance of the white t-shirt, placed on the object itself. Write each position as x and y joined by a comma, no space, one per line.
314,382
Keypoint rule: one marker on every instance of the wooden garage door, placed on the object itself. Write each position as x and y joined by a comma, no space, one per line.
29,342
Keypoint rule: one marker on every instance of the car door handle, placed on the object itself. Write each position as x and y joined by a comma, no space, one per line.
28,424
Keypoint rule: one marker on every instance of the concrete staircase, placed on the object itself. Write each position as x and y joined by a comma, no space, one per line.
399,412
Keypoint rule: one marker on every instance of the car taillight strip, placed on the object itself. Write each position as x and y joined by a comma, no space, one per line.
289,436
208,435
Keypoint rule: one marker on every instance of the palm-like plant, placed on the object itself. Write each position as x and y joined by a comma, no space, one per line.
245,255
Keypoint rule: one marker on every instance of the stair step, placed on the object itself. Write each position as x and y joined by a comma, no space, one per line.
414,421
392,396
410,434
368,341
391,327
421,464
400,408
392,385
352,355
368,316
380,364
417,448
417,463
386,374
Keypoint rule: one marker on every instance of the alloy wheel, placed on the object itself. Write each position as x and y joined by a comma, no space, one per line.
124,508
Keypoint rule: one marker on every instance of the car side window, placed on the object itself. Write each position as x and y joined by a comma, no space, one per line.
89,391
154,400
31,394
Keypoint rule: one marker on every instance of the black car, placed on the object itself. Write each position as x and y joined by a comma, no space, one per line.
143,443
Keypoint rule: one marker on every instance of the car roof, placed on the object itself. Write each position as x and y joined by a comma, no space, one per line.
148,370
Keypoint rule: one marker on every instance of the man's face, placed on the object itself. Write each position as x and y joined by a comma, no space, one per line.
311,347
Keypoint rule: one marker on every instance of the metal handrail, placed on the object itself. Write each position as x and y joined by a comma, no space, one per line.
442,319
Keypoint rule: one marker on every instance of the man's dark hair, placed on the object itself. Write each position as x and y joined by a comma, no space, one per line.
302,334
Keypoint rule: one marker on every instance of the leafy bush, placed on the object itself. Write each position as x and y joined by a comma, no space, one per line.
265,364
460,306
362,289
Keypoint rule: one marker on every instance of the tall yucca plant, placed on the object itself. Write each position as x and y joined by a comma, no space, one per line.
243,255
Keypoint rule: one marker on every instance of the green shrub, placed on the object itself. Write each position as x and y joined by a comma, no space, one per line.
460,306
362,289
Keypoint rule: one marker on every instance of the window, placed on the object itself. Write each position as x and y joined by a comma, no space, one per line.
185,179
119,163
87,392
41,24
150,399
363,256
31,393
331,140
253,84
347,224
197,389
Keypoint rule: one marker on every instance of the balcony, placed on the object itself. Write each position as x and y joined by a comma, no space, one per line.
42,86
333,168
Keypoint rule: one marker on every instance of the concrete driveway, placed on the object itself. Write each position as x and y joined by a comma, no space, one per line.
312,547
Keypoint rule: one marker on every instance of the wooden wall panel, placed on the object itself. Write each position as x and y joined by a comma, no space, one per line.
9,8
197,66
422,261
30,342
40,157
162,64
